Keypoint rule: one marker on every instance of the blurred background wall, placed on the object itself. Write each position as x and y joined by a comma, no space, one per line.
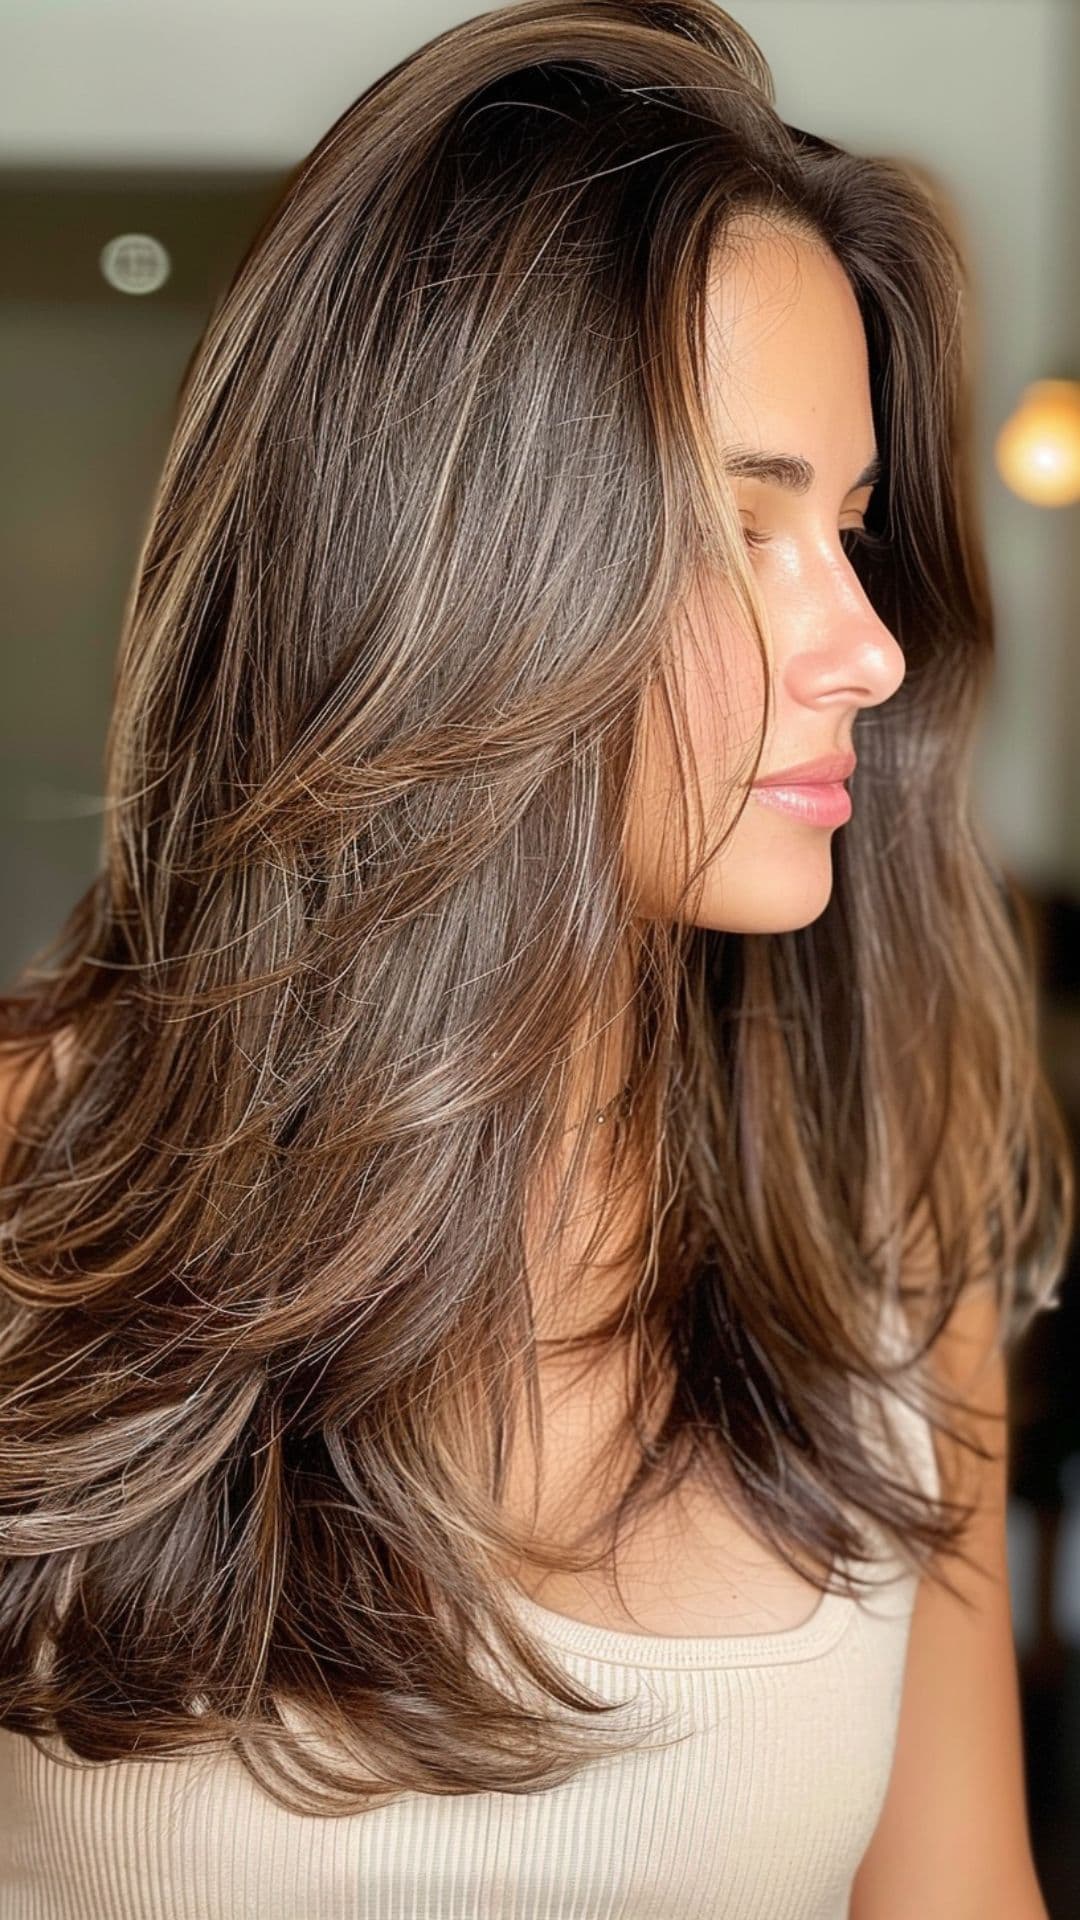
178,122
215,100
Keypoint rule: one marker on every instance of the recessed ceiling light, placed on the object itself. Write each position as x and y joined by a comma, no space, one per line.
135,263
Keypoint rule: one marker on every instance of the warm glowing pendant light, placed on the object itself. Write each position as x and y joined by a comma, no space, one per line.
1038,449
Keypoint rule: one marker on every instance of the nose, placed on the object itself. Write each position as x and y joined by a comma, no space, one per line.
842,652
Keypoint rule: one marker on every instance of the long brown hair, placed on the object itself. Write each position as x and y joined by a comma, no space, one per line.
440,476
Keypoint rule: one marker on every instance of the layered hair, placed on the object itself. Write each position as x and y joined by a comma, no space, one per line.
441,476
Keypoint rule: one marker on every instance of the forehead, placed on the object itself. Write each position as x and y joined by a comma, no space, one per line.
787,356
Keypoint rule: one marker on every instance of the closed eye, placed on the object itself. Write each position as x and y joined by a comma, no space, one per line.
860,536
755,539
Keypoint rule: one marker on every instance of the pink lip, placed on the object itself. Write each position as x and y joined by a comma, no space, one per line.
824,771
818,804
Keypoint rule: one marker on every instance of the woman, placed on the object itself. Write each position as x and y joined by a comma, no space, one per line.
577,446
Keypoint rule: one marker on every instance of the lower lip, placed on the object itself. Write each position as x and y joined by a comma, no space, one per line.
824,805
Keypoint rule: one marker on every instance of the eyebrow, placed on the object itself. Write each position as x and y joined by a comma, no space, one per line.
788,470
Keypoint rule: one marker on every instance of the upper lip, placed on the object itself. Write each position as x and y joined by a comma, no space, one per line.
831,767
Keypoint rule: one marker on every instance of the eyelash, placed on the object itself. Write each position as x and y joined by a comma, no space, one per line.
863,537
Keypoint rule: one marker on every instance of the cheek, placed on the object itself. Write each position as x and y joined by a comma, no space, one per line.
722,683
717,708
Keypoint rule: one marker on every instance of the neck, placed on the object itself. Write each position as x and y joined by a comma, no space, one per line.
582,1267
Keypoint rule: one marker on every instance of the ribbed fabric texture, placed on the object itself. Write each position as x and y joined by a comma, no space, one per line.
760,1810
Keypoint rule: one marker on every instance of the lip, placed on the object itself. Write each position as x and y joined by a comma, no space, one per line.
822,803
813,792
827,770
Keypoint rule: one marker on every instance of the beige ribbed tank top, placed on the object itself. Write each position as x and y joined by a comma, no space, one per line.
760,1809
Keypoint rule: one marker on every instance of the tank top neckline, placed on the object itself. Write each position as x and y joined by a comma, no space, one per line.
804,1641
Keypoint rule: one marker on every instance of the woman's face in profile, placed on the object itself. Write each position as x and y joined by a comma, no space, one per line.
789,374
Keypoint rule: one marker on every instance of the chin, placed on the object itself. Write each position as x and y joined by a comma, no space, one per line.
777,903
